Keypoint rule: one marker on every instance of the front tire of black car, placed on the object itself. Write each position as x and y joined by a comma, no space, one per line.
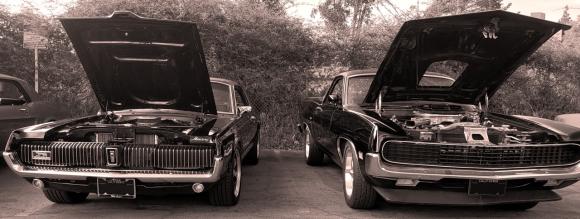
226,192
358,193
314,156
517,206
253,157
64,197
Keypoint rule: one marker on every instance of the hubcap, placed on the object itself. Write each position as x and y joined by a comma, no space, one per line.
237,174
307,142
348,171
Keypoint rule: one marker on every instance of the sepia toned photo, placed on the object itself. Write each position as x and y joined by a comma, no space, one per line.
289,108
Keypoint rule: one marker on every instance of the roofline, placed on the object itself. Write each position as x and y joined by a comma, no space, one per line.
5,76
230,82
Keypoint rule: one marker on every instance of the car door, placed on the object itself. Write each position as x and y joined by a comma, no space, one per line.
14,108
248,122
322,115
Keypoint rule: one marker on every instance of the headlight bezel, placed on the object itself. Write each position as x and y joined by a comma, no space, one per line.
11,139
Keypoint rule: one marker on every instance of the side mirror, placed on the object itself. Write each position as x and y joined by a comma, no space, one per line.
333,98
244,109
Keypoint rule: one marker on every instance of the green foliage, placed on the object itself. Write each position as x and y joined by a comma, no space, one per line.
280,61
250,42
547,85
451,7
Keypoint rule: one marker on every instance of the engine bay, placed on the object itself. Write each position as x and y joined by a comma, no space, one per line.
462,124
136,129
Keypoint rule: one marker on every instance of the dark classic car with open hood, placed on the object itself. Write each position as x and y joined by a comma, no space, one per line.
165,126
417,129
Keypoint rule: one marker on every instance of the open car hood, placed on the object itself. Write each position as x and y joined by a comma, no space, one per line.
134,62
490,45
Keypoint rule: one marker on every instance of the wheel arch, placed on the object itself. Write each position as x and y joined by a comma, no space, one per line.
342,142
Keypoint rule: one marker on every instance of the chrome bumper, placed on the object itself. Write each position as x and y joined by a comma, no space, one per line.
22,171
375,167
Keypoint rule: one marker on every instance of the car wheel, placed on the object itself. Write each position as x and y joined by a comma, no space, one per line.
226,192
517,206
358,193
314,156
64,197
253,156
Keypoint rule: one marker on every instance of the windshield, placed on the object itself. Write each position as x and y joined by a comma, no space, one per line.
357,89
222,97
432,79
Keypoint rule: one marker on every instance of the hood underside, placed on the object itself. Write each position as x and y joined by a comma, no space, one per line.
489,47
135,62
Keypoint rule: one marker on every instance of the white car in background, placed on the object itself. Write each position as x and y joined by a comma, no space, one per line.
572,119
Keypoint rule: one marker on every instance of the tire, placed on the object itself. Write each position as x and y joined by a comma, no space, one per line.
314,156
517,206
226,192
253,156
358,193
64,197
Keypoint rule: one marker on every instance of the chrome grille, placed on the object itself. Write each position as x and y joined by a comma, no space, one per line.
82,154
481,156
131,156
99,170
168,156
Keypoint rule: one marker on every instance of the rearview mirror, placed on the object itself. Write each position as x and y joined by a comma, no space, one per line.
244,109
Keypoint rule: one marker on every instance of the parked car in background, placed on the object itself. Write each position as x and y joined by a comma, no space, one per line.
417,130
21,106
572,119
165,126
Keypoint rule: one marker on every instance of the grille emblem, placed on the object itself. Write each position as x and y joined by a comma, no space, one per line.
41,155
112,157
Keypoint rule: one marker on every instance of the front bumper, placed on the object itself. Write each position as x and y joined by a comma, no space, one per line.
148,177
432,197
375,167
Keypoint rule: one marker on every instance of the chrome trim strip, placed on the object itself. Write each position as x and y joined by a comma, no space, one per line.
22,171
476,168
375,167
120,42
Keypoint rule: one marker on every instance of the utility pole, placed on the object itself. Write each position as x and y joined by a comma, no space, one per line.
36,70
34,37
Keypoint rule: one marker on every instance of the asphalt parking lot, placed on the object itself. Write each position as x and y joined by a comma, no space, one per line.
281,186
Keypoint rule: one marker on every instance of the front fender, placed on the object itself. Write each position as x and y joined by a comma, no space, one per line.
565,131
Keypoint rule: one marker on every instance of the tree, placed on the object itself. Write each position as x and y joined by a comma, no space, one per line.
565,19
338,13
452,7
249,42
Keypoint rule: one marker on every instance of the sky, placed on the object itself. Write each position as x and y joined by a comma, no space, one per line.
303,8
552,8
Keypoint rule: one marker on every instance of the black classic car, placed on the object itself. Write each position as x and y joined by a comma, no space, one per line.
21,106
417,129
164,127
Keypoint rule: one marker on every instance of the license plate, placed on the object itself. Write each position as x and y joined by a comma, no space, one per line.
116,188
487,187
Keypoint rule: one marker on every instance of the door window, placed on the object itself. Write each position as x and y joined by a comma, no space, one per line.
221,95
240,98
10,93
336,91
